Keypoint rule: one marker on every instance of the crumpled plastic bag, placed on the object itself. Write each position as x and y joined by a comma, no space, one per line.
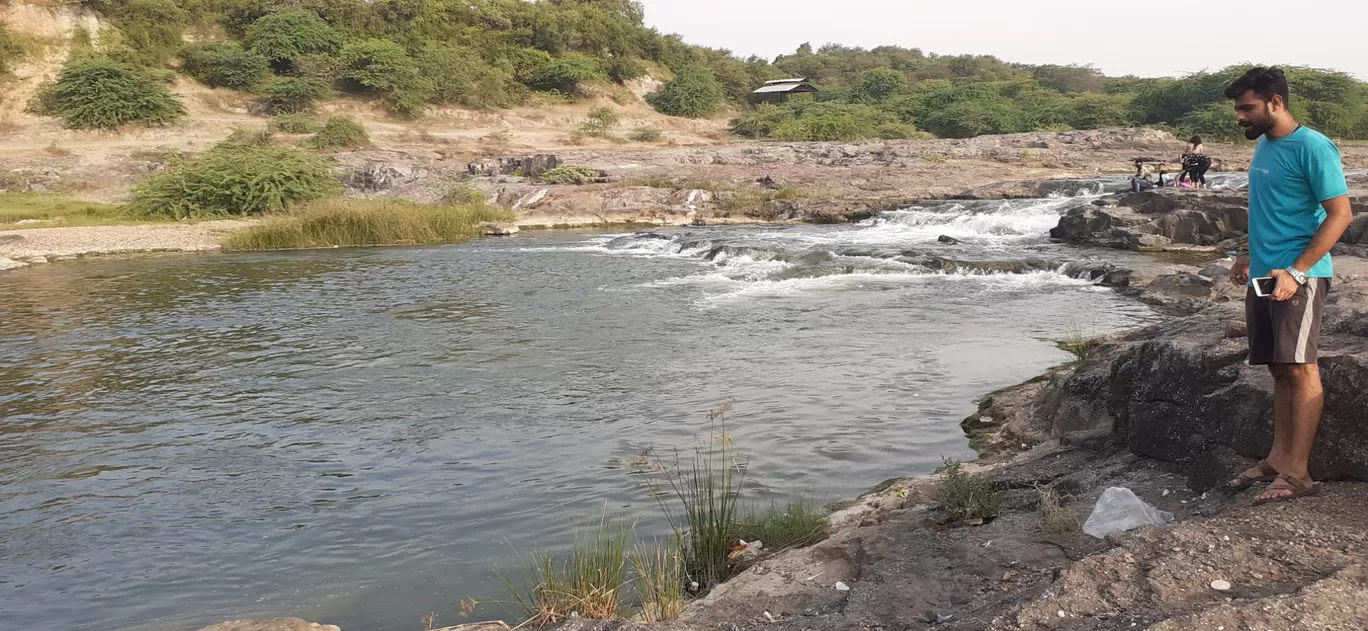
1119,510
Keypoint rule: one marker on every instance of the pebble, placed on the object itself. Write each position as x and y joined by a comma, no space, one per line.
1220,585
1062,614
842,587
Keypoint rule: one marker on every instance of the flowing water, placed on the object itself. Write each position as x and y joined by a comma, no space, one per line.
356,436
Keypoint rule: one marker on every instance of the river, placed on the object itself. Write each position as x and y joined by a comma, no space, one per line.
356,436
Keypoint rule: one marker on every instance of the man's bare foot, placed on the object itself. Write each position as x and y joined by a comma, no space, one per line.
1287,488
1262,472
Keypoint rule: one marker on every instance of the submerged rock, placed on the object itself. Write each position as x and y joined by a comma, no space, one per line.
272,624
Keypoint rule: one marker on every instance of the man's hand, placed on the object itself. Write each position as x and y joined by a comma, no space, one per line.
1239,272
1287,286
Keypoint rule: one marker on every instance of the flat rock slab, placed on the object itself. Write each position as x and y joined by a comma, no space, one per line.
272,624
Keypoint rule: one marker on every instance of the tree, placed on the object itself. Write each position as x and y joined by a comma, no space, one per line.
101,93
694,93
224,65
285,37
879,84
378,65
1096,111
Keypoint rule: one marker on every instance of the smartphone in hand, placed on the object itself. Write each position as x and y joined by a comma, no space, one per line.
1263,287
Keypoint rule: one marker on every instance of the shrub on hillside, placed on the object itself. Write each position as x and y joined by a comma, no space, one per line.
878,85
291,95
101,93
694,93
377,65
645,134
899,131
967,119
150,29
285,37
297,123
458,76
250,137
567,75
235,179
10,49
600,122
224,65
340,132
762,121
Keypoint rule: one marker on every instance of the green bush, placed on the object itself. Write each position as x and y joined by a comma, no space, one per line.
600,122
694,93
623,69
966,497
463,193
340,132
285,37
297,123
224,65
570,174
235,179
250,137
878,85
1096,111
899,131
100,93
966,119
377,65
762,121
568,75
292,95
645,134
150,29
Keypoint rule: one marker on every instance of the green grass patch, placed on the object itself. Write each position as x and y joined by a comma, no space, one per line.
297,123
801,523
752,201
53,210
570,174
589,582
660,580
349,223
966,497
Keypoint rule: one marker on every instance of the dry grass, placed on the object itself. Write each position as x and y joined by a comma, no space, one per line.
660,580
349,223
588,583
1053,516
1077,343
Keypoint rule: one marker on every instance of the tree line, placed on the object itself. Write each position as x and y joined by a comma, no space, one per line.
414,54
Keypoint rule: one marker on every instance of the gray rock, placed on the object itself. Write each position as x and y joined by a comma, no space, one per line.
12,239
1153,241
272,624
1215,271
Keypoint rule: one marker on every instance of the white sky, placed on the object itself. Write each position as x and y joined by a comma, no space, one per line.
1142,38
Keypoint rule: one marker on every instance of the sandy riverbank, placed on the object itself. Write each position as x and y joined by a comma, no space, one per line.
19,248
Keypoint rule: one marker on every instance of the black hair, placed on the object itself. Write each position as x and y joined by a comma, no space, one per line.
1195,141
1265,82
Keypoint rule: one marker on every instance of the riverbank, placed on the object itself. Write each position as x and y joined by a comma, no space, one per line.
1169,411
20,248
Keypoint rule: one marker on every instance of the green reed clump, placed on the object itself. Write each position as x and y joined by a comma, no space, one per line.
589,582
346,223
708,489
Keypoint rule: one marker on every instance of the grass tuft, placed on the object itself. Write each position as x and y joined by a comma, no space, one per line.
966,497
645,134
660,580
707,490
340,132
1080,345
570,174
1053,516
57,210
801,523
348,223
587,584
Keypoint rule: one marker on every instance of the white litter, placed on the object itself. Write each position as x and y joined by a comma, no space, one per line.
842,587
1119,510
1220,585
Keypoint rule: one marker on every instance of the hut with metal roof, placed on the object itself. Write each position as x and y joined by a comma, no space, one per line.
783,91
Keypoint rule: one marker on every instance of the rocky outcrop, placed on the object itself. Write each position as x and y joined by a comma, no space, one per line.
1182,392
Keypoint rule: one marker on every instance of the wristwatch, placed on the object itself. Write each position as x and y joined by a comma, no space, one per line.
1296,275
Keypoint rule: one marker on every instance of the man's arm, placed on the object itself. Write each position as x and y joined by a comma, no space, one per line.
1338,216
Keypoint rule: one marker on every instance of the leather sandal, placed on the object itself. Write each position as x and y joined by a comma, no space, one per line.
1297,487
1244,481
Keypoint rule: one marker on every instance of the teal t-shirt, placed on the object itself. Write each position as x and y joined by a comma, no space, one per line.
1288,179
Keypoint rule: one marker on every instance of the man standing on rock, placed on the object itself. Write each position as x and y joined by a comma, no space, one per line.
1298,208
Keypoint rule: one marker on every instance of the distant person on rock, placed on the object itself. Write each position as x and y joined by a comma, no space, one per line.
1298,209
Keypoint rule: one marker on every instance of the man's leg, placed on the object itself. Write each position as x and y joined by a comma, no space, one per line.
1307,403
1280,456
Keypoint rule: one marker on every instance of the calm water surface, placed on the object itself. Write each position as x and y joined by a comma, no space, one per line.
357,436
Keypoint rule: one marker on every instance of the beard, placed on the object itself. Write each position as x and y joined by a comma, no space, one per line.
1255,128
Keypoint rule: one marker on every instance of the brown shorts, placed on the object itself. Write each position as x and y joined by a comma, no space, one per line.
1286,332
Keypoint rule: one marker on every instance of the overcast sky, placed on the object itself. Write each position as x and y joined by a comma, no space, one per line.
1142,38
